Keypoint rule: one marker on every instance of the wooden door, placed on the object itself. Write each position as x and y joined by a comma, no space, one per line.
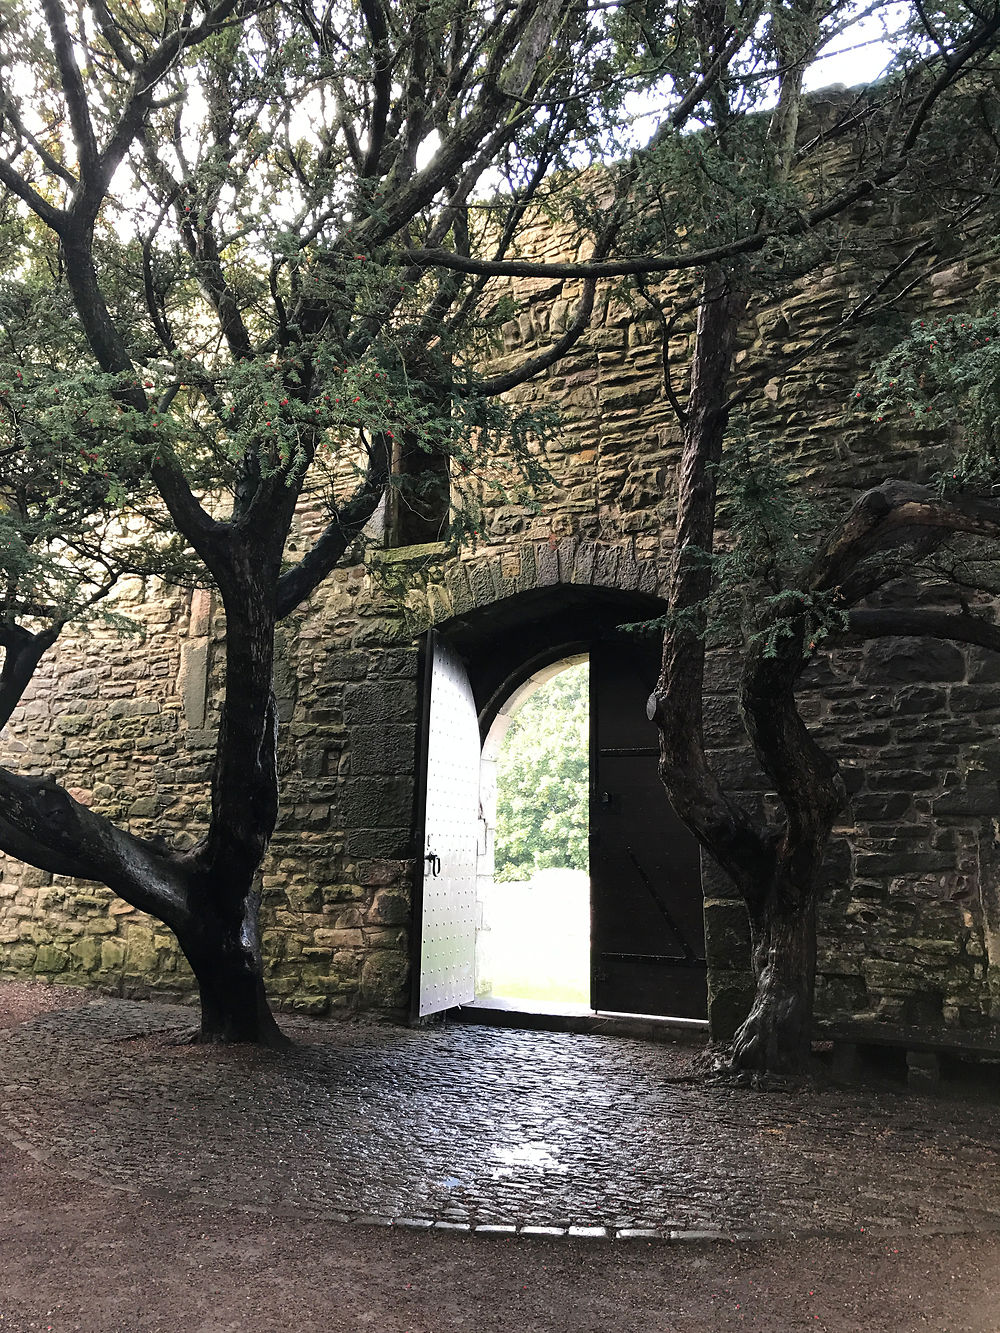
648,935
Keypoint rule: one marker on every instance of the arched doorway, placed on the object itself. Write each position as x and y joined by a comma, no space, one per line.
647,936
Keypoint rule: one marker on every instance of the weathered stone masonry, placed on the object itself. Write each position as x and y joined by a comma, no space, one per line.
910,928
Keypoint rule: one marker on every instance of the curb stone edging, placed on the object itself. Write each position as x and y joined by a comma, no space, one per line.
501,1230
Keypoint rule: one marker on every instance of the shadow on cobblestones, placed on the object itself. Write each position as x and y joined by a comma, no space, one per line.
483,1127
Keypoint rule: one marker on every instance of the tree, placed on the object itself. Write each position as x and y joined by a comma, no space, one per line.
744,206
775,866
543,774
211,199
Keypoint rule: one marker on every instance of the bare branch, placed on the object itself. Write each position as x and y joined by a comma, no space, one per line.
71,79
891,622
297,583
42,824
895,514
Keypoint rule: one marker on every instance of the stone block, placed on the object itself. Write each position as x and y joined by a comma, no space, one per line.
919,700
391,907
984,667
727,935
192,682
547,558
730,995
350,938
738,770
304,1003
304,897
384,873
909,659
32,878
21,957
723,724
462,596
481,583
349,664
364,802
378,704
129,708
50,959
145,807
606,566
386,937
140,951
384,978
379,842
112,955
401,663
390,750
881,805
333,894
893,978
200,622
86,953
974,799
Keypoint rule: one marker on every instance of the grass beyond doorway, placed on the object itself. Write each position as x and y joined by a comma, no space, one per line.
539,939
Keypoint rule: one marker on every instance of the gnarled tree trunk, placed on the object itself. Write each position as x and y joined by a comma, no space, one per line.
775,1036
222,944
775,869
782,905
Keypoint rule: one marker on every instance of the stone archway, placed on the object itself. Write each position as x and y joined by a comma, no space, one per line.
503,640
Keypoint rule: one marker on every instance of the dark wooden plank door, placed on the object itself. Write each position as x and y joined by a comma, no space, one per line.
648,935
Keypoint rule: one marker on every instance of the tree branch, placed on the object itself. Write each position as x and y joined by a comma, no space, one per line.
42,824
15,182
297,583
534,365
805,777
22,653
71,79
889,622
892,515
751,244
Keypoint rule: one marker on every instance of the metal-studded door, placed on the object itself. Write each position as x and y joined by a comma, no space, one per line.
648,935
448,917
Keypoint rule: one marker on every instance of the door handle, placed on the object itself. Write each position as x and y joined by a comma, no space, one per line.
433,864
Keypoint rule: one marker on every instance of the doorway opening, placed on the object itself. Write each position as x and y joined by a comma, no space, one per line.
533,938
645,918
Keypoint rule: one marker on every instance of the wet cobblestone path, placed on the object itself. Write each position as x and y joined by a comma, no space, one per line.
488,1128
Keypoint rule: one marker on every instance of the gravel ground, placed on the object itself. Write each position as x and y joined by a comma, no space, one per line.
79,1254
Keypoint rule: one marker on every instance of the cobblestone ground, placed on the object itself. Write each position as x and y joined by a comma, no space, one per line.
485,1127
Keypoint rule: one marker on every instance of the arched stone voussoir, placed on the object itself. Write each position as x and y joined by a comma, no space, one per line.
485,580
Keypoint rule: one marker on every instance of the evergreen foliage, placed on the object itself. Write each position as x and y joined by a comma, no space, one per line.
942,383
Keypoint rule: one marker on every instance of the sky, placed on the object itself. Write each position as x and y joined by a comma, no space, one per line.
860,56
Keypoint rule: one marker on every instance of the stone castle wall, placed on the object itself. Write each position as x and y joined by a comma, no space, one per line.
910,928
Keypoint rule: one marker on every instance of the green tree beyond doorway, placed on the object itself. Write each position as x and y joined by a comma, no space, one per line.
542,780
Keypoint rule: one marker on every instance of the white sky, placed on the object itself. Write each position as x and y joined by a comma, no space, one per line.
863,61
